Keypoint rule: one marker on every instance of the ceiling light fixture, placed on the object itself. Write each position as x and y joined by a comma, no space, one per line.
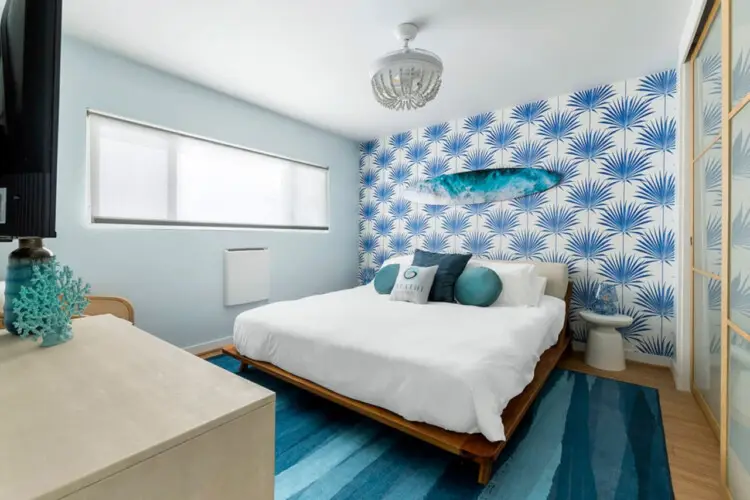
407,78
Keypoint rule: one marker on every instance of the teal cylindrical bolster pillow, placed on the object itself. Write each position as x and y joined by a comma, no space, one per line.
386,279
478,286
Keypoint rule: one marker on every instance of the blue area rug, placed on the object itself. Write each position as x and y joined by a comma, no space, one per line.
584,438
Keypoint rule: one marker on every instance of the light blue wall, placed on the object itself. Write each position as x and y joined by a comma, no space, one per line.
174,277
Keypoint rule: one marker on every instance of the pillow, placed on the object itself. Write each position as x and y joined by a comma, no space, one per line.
478,286
517,278
413,284
450,267
386,278
538,286
402,260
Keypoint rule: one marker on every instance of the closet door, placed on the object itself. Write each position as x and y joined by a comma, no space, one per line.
707,219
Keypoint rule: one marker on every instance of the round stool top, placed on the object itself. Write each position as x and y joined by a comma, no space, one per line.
615,321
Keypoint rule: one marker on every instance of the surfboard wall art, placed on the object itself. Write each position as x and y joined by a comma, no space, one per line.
482,186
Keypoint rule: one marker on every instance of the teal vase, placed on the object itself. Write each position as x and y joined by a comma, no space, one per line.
30,251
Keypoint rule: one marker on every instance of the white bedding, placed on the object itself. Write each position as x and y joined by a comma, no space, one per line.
445,364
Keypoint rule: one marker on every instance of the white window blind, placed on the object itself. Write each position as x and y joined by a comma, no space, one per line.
142,174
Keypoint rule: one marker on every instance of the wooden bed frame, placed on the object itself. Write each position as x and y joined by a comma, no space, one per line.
472,446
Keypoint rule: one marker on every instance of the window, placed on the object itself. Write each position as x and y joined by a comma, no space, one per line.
142,174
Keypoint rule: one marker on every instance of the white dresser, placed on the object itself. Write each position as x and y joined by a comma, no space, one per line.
119,414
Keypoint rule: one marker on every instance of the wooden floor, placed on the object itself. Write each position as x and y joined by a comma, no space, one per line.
692,447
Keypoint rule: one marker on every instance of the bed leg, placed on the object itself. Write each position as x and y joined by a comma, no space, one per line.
485,471
243,367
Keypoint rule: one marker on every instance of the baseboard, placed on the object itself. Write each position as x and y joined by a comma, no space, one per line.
638,357
211,345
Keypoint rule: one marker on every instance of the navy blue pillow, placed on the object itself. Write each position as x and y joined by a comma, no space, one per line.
450,267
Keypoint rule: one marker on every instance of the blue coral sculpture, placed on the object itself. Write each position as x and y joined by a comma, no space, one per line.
47,305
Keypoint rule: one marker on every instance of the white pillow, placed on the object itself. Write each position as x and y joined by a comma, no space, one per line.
538,287
413,284
401,260
517,278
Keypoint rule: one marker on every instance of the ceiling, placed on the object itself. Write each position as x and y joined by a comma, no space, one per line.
310,60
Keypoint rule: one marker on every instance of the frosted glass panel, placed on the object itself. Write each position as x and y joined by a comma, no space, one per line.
740,50
707,341
739,216
738,455
707,124
707,201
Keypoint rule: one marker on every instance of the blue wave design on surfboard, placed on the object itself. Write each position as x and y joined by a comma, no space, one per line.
482,186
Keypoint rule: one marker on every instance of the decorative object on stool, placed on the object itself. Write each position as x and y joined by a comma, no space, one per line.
18,275
605,299
604,348
46,306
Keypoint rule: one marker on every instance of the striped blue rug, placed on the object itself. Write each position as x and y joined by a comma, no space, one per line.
585,438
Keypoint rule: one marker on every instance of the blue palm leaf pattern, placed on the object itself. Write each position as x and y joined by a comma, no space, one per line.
399,141
417,224
713,233
591,99
368,210
635,331
656,346
657,245
502,255
456,145
711,119
455,222
714,294
528,245
589,195
740,156
529,154
657,191
503,136
368,242
710,65
385,158
417,152
434,211
436,166
399,209
479,159
658,136
368,178
584,293
478,209
625,217
436,243
626,113
624,269
501,222
558,126
625,165
399,175
383,226
366,275
529,112
479,124
380,256
436,133
561,258
566,167
656,299
741,77
739,294
580,332
557,219
712,175
589,244
741,228
383,193
529,204
477,243
399,244
590,145
661,84
368,148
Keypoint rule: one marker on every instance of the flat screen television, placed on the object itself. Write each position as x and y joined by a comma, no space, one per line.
29,93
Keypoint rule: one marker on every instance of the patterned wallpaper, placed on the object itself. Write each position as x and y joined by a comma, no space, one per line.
611,219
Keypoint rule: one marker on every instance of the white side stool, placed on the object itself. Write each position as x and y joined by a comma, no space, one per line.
604,349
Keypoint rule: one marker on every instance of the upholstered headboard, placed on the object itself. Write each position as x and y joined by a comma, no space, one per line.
557,277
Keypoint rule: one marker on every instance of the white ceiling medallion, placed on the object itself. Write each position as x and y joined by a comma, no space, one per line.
407,78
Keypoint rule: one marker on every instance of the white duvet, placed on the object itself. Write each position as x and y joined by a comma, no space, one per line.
449,365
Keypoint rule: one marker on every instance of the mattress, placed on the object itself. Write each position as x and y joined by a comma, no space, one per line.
448,365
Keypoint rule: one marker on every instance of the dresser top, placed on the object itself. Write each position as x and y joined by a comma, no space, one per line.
111,397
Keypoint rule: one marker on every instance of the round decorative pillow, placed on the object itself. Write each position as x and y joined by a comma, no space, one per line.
478,286
386,278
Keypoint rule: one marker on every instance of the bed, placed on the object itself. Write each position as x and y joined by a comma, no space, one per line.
456,376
